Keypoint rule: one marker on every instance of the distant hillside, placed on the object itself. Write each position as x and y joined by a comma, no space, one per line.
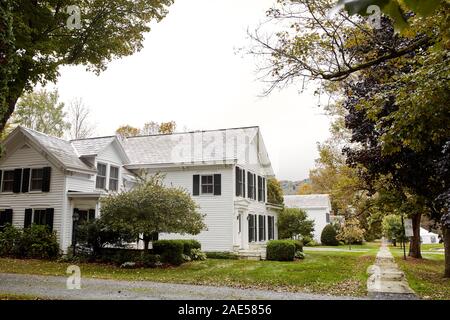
291,187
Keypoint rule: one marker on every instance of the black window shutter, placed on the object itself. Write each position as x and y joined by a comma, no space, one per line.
254,187
0,179
264,189
25,180
238,189
8,216
217,184
259,189
28,214
47,172
49,212
249,185
196,187
243,183
91,214
17,180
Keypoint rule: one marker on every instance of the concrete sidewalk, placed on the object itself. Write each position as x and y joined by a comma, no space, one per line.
386,280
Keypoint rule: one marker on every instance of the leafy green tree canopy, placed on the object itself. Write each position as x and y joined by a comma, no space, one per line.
274,192
45,35
151,208
293,222
41,111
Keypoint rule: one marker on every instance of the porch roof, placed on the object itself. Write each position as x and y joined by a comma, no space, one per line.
84,195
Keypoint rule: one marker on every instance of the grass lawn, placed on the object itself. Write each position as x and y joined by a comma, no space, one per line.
338,273
425,275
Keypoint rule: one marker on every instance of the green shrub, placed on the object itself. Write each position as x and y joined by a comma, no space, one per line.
10,239
281,250
221,255
37,242
151,260
328,236
298,245
188,245
197,254
299,255
96,235
311,243
171,251
118,255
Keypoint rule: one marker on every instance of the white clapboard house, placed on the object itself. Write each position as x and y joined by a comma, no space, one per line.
45,180
316,206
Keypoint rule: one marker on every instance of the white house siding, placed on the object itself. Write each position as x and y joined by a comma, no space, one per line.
28,158
320,221
218,209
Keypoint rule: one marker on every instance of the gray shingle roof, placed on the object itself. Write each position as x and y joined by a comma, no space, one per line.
61,149
177,148
307,201
91,146
214,145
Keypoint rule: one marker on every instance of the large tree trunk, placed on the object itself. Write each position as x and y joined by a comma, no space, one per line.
446,238
16,88
414,247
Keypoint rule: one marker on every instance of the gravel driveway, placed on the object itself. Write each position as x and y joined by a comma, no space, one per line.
53,287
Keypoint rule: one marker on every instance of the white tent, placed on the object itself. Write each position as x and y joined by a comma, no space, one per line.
427,237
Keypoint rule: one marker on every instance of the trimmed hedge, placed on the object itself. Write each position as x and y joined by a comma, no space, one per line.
188,245
281,250
328,236
221,255
171,251
119,256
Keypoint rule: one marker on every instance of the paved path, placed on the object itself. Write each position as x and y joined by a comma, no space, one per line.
386,280
306,249
53,287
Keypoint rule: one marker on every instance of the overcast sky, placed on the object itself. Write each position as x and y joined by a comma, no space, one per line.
189,72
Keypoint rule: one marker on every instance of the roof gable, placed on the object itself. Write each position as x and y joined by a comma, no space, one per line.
59,151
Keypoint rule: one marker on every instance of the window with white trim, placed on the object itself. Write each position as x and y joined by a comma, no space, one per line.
101,176
207,184
37,177
8,181
113,178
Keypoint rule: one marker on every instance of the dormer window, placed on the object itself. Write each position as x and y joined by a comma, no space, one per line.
113,178
101,176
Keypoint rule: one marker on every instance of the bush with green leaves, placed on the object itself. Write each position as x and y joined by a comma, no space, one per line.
197,254
329,236
34,242
281,250
96,235
171,251
299,255
10,241
294,222
221,255
188,245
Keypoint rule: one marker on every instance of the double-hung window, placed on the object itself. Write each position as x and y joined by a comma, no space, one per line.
37,177
113,178
207,184
101,176
8,181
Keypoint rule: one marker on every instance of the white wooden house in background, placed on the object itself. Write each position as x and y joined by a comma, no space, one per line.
317,207
45,180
